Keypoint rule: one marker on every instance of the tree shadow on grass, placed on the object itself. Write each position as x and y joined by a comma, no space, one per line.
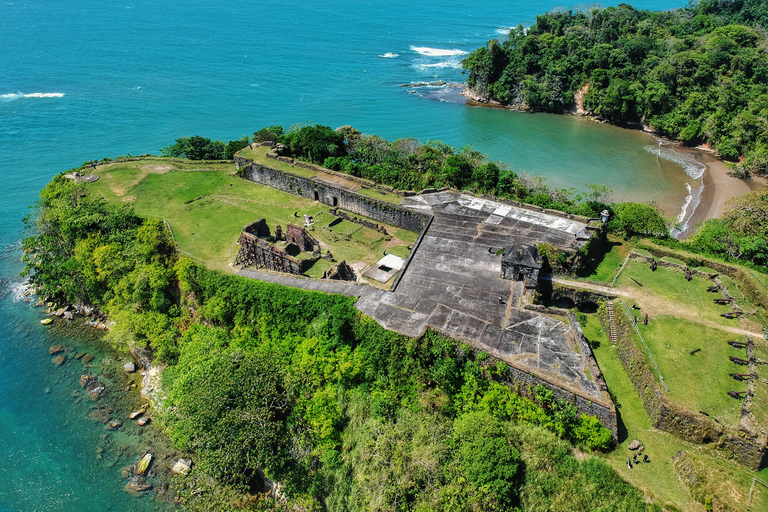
590,266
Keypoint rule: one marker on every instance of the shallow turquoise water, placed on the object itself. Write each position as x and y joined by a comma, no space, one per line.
90,79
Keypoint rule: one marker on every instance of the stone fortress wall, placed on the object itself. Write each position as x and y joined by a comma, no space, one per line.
333,196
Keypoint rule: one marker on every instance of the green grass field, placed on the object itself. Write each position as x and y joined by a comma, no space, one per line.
206,206
697,382
723,478
603,269
667,292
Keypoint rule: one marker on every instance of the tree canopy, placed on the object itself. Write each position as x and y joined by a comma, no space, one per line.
698,74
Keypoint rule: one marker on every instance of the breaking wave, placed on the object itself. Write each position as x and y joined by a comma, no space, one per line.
456,64
437,52
19,95
692,167
389,55
692,200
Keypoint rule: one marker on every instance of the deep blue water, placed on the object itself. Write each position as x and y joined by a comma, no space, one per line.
89,79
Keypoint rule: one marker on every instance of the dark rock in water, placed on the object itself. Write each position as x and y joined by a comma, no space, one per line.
129,367
56,349
114,425
100,414
86,379
137,485
87,358
79,355
127,471
59,360
95,390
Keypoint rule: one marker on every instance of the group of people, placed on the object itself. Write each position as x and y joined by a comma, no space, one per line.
633,460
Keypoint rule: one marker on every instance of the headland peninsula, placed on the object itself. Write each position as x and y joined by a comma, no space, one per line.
484,332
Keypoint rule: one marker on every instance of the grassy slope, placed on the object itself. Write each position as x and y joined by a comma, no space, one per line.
206,210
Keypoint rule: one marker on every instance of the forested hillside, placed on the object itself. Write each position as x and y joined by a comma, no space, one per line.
698,74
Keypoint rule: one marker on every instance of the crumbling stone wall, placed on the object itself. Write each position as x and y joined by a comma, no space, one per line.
381,211
256,252
524,383
357,220
300,237
258,228
341,271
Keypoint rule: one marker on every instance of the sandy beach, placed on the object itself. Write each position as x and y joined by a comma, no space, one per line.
719,186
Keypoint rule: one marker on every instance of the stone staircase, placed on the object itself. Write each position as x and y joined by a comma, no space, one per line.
613,335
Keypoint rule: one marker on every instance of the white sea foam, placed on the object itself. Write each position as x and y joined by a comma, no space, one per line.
692,201
389,55
503,31
437,52
692,168
19,95
441,64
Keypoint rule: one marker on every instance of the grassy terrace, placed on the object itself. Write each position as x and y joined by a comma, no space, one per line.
682,317
724,479
259,155
206,206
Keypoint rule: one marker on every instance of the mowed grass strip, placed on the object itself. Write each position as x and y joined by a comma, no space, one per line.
207,209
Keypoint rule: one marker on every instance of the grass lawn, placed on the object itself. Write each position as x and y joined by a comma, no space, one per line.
667,292
724,479
206,210
697,382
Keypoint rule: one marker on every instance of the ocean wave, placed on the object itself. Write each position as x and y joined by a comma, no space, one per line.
503,31
692,201
389,55
443,64
437,52
690,165
19,95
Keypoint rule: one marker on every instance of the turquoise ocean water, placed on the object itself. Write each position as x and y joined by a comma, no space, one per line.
89,79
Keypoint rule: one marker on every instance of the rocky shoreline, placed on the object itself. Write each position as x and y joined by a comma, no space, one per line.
108,387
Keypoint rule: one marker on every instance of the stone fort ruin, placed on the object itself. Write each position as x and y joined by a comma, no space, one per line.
471,275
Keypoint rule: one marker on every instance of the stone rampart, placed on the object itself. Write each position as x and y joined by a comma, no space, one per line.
335,197
525,383
357,220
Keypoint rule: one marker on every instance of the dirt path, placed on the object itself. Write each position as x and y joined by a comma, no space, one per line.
605,290
654,305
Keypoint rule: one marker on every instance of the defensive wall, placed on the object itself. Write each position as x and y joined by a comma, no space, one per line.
338,198
335,197
525,382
